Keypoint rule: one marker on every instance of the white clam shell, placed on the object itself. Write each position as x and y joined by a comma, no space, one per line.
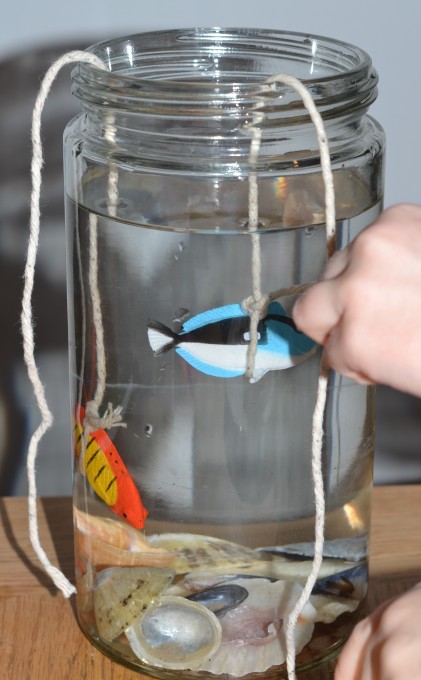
176,634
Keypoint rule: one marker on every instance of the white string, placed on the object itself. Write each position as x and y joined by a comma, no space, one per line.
257,305
112,416
56,575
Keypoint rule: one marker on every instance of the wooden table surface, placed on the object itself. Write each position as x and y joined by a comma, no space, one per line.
39,636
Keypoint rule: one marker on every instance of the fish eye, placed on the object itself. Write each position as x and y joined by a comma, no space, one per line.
246,336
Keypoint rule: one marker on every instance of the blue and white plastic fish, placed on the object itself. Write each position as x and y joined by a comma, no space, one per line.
215,342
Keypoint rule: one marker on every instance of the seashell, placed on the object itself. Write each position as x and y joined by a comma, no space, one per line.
328,608
102,542
220,599
350,583
175,633
252,635
196,551
265,565
121,594
207,556
342,592
119,534
199,581
353,549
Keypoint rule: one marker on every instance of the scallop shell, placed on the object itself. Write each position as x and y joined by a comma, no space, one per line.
121,594
176,634
252,634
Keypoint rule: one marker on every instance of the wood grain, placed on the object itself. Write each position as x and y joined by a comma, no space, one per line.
39,636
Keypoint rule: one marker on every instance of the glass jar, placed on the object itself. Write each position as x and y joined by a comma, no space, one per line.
193,495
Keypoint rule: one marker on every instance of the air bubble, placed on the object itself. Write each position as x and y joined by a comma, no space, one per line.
148,430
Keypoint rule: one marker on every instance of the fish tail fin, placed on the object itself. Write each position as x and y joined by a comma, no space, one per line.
161,338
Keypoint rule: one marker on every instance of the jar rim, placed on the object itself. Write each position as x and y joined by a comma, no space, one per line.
190,66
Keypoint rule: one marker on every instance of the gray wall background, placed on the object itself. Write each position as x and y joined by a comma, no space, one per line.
389,32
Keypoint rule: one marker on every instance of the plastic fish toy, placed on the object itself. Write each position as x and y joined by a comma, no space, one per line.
215,342
107,474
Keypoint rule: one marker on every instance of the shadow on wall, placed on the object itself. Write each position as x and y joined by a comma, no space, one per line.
398,455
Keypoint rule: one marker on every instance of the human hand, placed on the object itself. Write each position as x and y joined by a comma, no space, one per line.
366,310
387,644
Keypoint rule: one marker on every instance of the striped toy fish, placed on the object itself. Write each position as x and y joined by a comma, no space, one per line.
107,474
215,342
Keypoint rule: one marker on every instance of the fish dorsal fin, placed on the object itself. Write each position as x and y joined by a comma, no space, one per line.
213,315
221,313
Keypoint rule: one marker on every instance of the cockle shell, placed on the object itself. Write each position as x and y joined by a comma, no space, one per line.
175,633
121,594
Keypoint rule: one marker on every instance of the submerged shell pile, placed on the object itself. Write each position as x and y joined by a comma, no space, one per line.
205,604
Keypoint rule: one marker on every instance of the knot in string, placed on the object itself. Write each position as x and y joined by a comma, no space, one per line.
111,417
258,306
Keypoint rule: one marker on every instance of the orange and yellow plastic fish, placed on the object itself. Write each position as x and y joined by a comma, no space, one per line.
107,474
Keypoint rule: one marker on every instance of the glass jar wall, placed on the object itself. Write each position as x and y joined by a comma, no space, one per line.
193,495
